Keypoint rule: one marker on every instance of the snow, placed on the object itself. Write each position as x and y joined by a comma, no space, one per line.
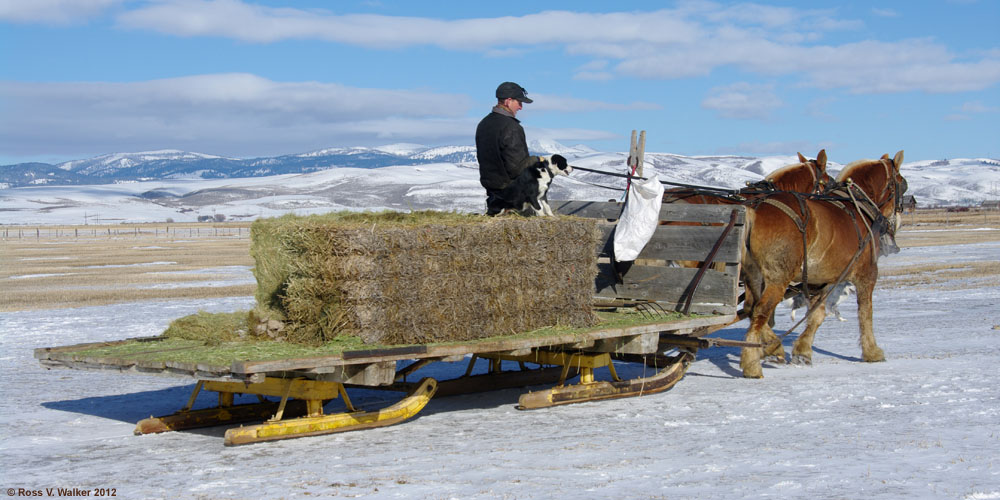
444,186
401,148
127,159
923,424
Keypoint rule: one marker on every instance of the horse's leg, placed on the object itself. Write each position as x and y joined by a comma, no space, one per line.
802,350
774,351
870,351
761,313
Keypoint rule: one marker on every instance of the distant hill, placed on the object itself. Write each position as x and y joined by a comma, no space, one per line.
177,185
174,164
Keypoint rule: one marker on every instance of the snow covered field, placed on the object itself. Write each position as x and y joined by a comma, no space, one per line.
924,424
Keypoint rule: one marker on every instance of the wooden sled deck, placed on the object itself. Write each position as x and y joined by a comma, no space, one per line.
303,383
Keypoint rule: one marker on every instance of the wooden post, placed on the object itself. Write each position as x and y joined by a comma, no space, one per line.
641,153
632,153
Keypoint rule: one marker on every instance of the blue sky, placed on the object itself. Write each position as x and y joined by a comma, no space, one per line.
248,78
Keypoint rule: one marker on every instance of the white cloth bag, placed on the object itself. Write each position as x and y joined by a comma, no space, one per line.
639,219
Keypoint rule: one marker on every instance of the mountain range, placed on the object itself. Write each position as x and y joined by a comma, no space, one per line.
177,185
175,164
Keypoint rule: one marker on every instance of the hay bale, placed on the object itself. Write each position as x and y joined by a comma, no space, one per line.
394,278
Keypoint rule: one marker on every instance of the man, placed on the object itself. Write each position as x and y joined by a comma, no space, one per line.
500,145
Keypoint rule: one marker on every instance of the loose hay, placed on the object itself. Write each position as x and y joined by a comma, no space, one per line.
210,328
394,278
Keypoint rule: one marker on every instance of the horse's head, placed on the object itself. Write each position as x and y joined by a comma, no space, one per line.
880,183
807,176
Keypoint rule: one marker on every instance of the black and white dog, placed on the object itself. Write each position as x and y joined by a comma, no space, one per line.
840,292
528,194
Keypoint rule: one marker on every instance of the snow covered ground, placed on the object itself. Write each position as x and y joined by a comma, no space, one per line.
924,424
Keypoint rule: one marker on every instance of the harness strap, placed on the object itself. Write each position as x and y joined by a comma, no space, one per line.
801,224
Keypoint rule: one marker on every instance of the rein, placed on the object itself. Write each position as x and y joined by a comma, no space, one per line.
667,183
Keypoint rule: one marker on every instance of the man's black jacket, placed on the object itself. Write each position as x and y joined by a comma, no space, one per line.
501,149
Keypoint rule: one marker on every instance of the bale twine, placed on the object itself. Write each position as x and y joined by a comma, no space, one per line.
421,277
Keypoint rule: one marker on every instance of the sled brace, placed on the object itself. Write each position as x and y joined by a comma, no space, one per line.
287,418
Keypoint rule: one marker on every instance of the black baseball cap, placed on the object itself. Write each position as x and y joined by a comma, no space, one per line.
511,90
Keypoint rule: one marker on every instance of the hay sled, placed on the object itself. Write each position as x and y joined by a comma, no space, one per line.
364,306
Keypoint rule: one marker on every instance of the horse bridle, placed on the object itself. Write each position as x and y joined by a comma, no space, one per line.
892,186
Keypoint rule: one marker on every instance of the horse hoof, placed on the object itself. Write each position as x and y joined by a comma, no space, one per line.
876,356
753,371
801,360
776,359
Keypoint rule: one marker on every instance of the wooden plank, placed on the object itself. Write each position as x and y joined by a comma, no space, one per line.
411,350
378,367
683,243
711,214
383,373
172,373
670,212
47,352
474,347
590,209
635,344
667,284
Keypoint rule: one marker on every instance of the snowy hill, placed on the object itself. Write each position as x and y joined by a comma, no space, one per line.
965,182
398,177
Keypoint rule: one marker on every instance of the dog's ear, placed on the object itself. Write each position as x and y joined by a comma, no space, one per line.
558,161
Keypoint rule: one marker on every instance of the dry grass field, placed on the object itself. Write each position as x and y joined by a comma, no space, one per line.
940,227
71,266
82,266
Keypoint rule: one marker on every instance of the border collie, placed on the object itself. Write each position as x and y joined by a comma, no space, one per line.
528,194
840,292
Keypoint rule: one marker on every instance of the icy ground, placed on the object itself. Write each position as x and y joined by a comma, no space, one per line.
924,424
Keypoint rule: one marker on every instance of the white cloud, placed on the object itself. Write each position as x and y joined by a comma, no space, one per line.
236,114
241,115
571,104
966,110
776,147
255,23
593,75
742,100
596,70
884,12
979,107
570,134
52,11
690,40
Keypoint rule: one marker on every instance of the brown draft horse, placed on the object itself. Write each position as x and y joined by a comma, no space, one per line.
820,241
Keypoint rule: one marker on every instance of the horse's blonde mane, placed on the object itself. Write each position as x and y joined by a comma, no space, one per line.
850,167
783,169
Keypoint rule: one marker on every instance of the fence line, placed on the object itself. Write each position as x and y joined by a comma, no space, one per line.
134,231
